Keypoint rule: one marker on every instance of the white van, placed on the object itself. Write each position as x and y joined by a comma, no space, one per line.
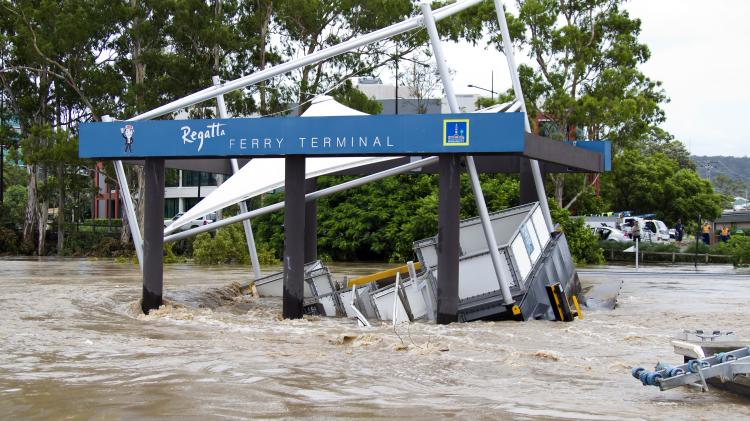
655,230
652,230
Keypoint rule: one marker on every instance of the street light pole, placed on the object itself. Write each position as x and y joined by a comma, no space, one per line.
396,59
484,89
396,82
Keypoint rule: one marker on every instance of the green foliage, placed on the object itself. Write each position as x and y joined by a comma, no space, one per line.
228,245
103,222
673,149
732,187
352,97
700,247
583,244
378,221
8,240
170,256
310,25
655,183
586,76
91,244
14,204
658,247
13,174
267,256
738,247
221,248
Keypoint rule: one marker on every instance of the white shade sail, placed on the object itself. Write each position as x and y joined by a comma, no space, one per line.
262,175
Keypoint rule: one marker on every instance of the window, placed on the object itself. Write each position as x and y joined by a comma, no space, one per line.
171,177
190,202
171,207
190,178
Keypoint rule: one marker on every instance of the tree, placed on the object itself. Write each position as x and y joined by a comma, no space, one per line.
423,82
663,142
352,97
582,242
729,186
54,71
309,25
656,184
585,82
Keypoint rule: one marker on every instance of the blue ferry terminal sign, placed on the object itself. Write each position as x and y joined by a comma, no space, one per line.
322,136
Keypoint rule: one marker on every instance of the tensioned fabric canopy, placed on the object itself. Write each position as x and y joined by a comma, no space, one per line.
266,174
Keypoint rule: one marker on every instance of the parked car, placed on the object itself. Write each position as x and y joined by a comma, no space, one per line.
607,233
204,220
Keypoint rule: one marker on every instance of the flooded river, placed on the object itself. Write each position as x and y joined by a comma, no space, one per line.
73,346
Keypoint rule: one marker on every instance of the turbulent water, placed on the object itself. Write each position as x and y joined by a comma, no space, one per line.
74,346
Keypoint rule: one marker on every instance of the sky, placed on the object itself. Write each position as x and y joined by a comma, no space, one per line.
699,50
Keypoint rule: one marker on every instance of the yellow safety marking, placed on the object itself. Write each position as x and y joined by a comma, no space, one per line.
382,275
557,302
516,310
578,308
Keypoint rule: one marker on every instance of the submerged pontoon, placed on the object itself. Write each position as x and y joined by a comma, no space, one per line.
536,265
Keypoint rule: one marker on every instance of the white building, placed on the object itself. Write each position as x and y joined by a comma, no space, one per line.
183,190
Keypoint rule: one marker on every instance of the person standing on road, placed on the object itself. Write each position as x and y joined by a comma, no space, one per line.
679,231
706,233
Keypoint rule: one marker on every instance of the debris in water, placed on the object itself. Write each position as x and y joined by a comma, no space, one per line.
355,340
547,355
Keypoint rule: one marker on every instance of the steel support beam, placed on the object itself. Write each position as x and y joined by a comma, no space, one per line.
534,164
437,49
311,222
153,232
527,190
249,237
127,202
449,200
294,236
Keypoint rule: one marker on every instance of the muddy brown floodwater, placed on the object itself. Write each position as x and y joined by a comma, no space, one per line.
73,346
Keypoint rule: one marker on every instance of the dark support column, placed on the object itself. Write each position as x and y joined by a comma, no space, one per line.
527,187
153,235
311,223
294,236
448,246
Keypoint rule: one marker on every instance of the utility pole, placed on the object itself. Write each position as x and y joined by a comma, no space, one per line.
708,166
492,84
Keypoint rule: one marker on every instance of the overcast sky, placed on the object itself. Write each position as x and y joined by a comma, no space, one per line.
699,50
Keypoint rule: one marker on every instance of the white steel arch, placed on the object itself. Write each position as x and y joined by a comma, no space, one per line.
218,90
